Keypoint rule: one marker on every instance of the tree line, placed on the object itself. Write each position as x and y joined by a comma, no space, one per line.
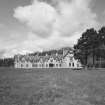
92,43
7,62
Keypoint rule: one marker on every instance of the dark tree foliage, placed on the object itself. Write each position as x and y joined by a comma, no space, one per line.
101,50
7,62
102,36
86,45
90,43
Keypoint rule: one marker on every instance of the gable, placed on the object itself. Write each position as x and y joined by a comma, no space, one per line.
69,54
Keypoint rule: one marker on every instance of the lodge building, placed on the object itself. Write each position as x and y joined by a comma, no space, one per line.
55,60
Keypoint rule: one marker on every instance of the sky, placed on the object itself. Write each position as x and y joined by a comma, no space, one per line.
37,25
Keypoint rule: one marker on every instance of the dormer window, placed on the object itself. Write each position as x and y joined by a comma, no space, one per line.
71,58
23,59
51,60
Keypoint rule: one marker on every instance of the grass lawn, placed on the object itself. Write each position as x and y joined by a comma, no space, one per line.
52,87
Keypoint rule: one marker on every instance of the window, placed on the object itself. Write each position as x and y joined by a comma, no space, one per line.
59,65
26,65
77,65
34,65
21,65
56,65
70,64
73,64
46,65
42,65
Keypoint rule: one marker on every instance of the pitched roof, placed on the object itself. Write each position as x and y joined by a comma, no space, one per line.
43,57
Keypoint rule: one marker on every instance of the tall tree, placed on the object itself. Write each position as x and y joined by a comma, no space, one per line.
7,62
101,35
86,45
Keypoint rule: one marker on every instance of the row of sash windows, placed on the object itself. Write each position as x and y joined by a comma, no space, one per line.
40,65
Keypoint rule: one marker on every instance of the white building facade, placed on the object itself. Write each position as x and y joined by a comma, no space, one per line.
64,60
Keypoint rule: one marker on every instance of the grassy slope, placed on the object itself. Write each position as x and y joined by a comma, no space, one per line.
52,87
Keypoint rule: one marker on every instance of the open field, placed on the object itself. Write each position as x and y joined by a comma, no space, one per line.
52,87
